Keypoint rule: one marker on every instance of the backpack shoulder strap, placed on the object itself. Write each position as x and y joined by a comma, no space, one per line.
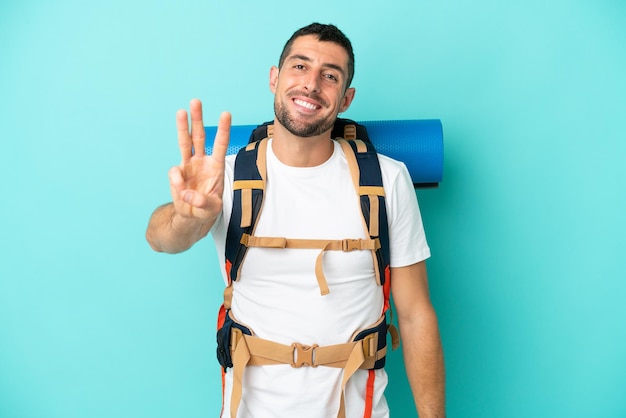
248,188
368,183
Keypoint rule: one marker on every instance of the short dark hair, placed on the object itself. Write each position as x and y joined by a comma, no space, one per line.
324,33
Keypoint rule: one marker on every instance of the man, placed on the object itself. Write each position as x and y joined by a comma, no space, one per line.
309,194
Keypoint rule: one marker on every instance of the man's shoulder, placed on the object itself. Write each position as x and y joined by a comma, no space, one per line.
392,169
388,163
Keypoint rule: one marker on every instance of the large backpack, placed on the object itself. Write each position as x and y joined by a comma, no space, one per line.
248,190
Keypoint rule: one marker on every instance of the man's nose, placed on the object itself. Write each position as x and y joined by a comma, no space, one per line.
312,83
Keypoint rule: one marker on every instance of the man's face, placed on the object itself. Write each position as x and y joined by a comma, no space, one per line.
310,88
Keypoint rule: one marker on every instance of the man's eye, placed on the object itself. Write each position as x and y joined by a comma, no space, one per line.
330,77
299,67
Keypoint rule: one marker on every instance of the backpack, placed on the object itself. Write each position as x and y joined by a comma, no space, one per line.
237,345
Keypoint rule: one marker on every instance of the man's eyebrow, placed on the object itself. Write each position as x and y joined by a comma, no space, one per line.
307,59
298,57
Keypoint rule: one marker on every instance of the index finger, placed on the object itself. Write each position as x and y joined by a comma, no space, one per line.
222,136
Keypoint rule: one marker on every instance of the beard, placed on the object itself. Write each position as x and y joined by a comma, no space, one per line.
298,128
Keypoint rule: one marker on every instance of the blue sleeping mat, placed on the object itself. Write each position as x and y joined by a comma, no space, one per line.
417,143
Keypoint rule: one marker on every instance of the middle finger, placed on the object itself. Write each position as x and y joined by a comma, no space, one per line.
197,127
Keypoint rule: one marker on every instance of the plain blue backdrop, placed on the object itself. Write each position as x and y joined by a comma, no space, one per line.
526,230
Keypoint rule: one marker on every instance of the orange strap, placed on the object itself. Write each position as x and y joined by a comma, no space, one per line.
369,394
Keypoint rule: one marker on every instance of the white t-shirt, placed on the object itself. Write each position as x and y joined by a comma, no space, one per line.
278,296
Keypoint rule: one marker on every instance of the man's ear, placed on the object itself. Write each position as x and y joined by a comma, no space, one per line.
347,99
273,78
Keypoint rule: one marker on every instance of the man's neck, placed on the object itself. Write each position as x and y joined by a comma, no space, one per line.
296,151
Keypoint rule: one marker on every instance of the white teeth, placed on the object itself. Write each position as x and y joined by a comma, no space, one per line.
305,104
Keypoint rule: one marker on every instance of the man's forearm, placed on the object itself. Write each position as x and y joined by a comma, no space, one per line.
171,233
424,363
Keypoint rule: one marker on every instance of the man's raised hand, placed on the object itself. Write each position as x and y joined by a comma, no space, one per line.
197,183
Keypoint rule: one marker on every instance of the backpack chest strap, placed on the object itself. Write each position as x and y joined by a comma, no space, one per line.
344,245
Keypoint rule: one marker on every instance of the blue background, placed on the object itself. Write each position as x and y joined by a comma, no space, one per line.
527,228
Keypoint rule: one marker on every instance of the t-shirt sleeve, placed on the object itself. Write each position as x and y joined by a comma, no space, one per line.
407,238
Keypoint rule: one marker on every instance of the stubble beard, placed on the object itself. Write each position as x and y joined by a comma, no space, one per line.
303,130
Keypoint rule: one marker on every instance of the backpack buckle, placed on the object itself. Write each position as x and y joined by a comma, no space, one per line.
350,245
303,355
370,343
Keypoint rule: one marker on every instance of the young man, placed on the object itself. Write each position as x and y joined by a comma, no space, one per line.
309,195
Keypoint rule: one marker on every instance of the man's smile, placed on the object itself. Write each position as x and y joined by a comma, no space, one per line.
306,105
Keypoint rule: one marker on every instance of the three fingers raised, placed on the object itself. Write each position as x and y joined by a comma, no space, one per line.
193,142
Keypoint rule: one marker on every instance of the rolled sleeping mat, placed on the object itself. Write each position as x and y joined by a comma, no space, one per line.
417,143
